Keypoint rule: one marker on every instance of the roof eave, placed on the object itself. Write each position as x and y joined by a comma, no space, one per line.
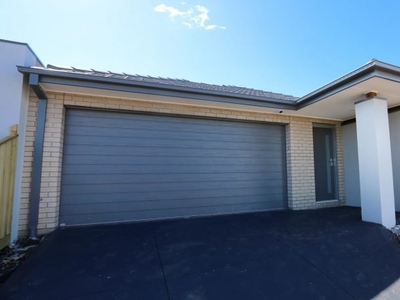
372,69
90,81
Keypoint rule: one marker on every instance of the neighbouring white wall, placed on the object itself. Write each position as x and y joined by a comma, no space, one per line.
351,171
14,93
394,123
14,107
11,84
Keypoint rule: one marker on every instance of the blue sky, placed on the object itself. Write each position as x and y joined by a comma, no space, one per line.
289,47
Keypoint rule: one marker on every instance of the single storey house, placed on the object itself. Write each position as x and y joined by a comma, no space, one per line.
102,147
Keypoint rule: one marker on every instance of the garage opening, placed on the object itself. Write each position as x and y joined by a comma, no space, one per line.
127,167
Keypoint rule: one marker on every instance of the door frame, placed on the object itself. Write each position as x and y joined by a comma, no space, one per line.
334,155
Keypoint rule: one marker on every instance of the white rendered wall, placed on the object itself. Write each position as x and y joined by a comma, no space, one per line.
351,173
375,162
394,123
352,181
14,107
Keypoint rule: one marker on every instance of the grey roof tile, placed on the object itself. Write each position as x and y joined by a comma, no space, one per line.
170,82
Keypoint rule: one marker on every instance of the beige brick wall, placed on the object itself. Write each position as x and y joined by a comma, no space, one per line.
300,164
300,170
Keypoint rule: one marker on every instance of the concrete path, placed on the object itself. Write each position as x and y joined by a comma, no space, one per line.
320,254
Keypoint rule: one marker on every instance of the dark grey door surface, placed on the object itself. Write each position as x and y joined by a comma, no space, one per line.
324,163
122,167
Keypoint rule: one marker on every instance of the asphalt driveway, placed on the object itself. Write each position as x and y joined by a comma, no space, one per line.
320,254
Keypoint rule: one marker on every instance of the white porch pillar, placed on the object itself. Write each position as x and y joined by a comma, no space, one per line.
375,162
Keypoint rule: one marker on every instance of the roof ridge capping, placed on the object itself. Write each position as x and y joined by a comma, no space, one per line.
59,67
371,65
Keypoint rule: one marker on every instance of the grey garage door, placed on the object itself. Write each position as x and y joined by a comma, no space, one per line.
120,167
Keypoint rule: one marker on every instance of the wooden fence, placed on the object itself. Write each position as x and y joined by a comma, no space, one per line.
8,155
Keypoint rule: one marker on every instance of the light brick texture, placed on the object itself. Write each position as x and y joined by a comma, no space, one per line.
299,145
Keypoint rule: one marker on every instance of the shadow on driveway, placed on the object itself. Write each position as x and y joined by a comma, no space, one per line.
319,254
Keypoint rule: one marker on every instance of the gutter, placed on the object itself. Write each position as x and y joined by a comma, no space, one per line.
37,155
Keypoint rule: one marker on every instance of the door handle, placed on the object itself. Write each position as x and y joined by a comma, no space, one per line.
332,162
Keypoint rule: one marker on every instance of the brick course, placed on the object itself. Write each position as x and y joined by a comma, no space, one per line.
299,144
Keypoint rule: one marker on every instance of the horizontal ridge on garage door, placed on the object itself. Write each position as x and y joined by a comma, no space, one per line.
144,160
161,169
138,166
153,195
163,187
148,123
157,142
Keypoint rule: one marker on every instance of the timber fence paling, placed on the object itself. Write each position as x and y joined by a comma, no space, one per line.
8,149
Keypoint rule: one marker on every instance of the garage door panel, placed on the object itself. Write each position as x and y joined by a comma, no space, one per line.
183,125
81,169
169,152
89,189
168,178
148,120
188,203
140,134
92,218
273,193
71,160
162,140
146,167
160,128
166,143
145,120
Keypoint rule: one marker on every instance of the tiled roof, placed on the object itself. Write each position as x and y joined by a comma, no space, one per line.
170,82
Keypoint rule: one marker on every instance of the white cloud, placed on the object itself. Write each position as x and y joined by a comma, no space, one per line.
196,17
201,17
210,27
173,12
